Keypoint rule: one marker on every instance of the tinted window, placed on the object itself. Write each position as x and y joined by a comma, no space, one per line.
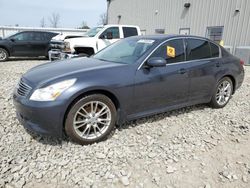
214,50
22,36
38,36
49,36
129,31
114,31
172,51
197,49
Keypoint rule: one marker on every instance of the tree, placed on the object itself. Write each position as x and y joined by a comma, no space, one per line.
42,22
54,20
102,19
84,25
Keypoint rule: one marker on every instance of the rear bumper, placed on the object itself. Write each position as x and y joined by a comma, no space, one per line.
240,79
45,118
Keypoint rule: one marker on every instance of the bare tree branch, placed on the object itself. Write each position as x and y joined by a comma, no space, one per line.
102,19
54,20
84,25
42,22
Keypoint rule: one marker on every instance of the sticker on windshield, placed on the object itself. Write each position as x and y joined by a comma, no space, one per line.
170,51
146,41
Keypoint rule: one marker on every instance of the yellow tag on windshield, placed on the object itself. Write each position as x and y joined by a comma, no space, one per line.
170,51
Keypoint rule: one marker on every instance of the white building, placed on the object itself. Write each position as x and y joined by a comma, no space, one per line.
227,20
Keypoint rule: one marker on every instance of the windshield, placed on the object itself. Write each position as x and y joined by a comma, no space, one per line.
92,32
125,51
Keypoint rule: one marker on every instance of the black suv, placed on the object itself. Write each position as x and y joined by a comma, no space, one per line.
26,44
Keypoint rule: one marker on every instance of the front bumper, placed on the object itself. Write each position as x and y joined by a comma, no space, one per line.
45,118
59,55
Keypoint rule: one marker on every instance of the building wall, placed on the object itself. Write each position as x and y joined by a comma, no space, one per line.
171,16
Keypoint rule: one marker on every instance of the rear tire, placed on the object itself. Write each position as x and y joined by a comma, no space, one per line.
222,94
4,55
91,119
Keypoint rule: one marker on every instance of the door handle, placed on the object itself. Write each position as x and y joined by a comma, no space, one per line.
217,64
182,71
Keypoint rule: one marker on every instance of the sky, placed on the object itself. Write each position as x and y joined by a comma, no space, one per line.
30,12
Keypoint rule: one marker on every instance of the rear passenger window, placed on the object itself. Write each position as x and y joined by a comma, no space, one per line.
129,31
215,52
173,51
197,49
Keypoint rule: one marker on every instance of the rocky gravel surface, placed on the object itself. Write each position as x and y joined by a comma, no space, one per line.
196,147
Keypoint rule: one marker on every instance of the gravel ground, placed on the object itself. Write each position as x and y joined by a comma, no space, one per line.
191,147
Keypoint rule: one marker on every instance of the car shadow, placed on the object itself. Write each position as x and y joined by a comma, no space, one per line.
48,140
161,116
26,58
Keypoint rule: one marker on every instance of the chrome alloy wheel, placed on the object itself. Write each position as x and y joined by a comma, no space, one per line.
92,120
224,92
3,55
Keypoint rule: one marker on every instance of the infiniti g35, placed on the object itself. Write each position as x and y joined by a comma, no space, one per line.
135,77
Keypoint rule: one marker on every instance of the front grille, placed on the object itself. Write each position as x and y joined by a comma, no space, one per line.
23,89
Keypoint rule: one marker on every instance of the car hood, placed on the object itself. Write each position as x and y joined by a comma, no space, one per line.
81,41
48,72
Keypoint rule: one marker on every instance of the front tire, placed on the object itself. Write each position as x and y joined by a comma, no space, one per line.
4,55
222,94
91,119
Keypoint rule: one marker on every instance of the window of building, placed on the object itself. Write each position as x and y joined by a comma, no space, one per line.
215,33
129,31
159,31
215,52
184,31
143,32
197,49
176,55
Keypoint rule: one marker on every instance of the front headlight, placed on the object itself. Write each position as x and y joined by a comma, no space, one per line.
50,93
67,47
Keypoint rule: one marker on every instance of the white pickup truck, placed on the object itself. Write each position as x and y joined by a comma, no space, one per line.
94,40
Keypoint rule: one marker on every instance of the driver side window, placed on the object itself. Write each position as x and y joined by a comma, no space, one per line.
22,37
114,30
173,51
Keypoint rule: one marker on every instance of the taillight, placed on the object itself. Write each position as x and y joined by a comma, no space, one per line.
242,62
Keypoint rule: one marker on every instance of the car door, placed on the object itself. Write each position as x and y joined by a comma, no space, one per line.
20,44
159,87
39,44
203,65
108,36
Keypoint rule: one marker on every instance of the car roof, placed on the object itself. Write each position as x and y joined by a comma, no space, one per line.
36,31
168,36
117,25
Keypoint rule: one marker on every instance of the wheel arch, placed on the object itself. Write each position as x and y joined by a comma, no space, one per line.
107,93
232,79
4,47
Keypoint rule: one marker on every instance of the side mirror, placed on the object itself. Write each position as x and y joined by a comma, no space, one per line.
102,37
156,62
109,35
12,40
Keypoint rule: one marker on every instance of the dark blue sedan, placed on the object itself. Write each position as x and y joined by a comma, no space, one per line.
135,77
